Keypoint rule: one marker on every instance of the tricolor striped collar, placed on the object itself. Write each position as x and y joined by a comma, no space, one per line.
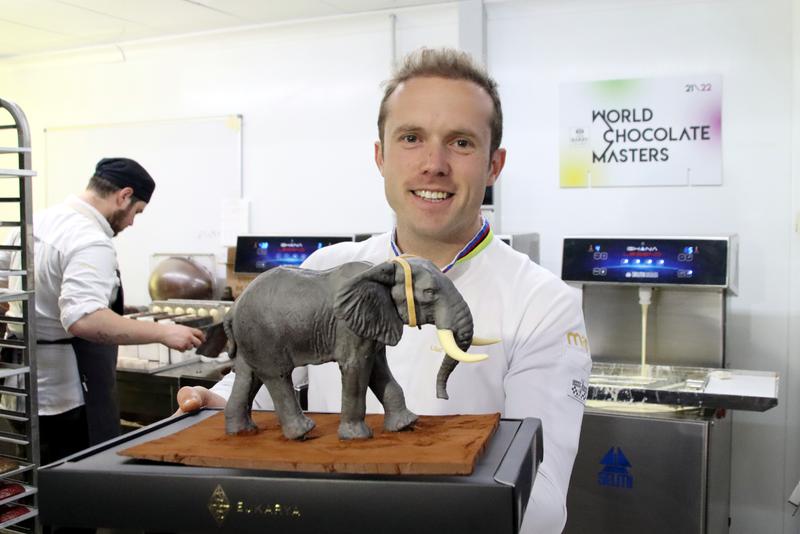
475,245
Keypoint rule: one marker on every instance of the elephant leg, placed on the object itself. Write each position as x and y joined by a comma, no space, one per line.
390,394
255,385
238,419
355,379
294,423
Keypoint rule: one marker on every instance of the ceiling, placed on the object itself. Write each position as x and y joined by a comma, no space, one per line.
38,26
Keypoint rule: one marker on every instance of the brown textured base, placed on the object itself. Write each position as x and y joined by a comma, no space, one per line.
438,445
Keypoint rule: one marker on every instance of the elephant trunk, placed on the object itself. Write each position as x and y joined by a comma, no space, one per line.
454,328
448,364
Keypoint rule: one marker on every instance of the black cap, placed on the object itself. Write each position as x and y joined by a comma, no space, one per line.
125,172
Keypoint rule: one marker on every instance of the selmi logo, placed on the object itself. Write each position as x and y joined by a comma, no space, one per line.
576,339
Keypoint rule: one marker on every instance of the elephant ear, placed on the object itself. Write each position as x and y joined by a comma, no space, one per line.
364,302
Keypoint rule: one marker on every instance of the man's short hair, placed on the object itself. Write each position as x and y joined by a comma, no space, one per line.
450,64
103,188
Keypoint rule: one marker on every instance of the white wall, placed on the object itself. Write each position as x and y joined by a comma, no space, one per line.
793,375
309,94
533,46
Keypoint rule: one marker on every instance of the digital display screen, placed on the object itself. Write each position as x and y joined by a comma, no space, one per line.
646,261
256,254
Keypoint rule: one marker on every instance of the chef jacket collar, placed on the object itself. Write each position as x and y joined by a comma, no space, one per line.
475,245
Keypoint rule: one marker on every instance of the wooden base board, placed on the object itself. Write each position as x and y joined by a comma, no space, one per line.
437,445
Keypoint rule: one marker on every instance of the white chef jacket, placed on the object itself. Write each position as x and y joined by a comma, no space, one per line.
76,274
539,369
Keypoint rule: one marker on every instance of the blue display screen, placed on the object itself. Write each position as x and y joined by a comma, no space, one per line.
256,254
646,261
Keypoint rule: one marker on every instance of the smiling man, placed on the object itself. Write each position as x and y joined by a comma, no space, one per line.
440,128
437,156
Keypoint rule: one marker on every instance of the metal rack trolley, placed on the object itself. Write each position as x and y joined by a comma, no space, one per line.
20,456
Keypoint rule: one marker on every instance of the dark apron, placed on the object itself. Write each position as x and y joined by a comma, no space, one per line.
97,367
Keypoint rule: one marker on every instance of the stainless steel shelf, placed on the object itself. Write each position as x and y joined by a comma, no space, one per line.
11,369
16,172
32,512
15,392
21,464
22,467
11,296
13,343
17,439
27,490
13,416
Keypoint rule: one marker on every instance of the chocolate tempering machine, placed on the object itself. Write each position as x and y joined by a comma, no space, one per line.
655,449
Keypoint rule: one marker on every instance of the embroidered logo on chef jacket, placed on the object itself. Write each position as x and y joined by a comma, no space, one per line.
578,340
615,470
579,390
576,355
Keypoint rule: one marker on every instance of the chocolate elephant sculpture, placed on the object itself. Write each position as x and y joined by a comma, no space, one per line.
289,317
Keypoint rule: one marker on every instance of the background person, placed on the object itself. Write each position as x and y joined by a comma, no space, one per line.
440,128
78,305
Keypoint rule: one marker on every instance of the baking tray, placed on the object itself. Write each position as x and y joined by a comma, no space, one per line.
99,488
731,389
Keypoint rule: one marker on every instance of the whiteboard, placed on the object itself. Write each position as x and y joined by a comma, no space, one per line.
196,164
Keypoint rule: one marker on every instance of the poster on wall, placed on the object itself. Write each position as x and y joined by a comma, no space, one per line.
641,132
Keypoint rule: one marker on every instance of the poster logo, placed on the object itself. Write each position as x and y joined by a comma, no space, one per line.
578,136
615,470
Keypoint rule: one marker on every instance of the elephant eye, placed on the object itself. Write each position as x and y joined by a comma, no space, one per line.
430,293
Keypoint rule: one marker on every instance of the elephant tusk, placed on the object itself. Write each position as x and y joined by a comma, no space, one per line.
481,341
448,342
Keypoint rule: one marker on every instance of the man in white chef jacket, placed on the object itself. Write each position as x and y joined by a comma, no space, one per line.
440,127
79,303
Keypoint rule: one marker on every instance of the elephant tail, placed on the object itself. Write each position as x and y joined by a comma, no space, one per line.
227,324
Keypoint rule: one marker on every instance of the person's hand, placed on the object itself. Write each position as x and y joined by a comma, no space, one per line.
193,398
181,337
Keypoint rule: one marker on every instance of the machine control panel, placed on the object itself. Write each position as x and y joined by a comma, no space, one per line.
647,261
256,254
